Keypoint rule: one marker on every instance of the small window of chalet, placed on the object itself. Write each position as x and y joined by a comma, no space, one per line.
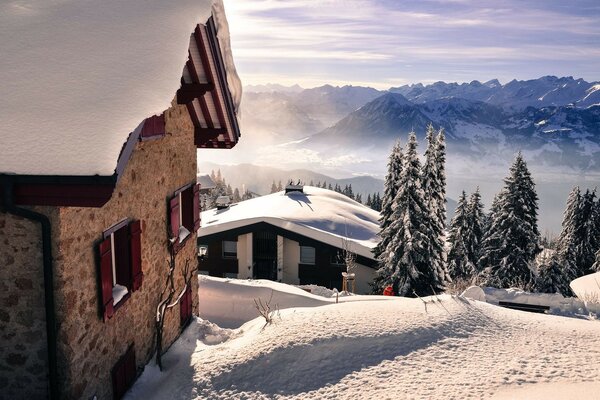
153,128
184,209
307,255
337,258
120,264
124,373
229,249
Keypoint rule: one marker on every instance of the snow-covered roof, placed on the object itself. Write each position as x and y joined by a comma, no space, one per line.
78,77
319,214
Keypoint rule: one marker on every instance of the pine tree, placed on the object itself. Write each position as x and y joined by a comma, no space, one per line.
358,197
273,187
369,204
551,278
512,241
475,230
406,265
279,187
459,264
392,179
434,188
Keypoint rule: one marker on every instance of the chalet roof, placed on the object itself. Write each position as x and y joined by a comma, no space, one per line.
319,214
79,77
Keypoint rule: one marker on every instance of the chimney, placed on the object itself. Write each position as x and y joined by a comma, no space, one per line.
291,187
223,202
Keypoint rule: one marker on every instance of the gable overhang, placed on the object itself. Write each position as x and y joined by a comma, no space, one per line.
205,92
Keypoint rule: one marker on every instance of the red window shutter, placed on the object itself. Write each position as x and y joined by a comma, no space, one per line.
185,306
174,222
106,278
124,373
196,207
135,233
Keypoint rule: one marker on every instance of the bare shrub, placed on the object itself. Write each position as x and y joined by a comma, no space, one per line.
265,310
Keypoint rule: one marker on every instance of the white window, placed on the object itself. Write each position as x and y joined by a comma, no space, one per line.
307,255
229,249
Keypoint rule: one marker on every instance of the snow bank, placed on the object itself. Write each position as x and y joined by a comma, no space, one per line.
558,304
230,302
587,287
317,213
78,77
391,348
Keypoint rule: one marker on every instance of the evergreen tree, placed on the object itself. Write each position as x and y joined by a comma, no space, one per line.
392,178
475,229
279,187
551,278
236,196
273,187
512,241
460,266
406,264
358,198
434,188
329,187
596,266
369,204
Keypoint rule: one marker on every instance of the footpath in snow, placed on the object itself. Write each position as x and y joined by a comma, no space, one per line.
383,348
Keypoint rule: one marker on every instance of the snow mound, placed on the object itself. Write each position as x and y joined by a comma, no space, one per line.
559,305
318,213
391,348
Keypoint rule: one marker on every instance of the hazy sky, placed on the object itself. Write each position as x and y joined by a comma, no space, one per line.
384,43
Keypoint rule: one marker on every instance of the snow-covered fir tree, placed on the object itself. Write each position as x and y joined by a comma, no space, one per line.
406,265
568,239
550,277
392,179
512,241
459,265
476,226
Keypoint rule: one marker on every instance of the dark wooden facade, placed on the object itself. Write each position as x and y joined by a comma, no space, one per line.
325,272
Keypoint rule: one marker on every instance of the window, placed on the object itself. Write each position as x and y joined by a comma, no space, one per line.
185,307
307,255
153,128
124,373
337,258
120,264
184,213
229,249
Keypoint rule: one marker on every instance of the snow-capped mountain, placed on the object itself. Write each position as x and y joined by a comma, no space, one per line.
542,92
563,135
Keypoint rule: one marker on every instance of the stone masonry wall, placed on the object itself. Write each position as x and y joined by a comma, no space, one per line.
23,346
89,347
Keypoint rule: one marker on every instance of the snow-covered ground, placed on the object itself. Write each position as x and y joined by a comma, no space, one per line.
391,348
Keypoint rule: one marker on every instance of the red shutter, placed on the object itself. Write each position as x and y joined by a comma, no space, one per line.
187,208
106,278
185,306
124,373
135,232
196,207
174,222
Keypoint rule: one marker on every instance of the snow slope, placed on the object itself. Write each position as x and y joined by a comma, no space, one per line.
388,349
79,76
318,213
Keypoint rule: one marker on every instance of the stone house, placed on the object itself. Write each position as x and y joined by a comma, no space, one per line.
85,245
301,237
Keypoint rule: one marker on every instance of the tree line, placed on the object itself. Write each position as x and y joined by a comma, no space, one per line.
501,248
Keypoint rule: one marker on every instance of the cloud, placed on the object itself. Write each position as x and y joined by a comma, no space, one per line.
381,40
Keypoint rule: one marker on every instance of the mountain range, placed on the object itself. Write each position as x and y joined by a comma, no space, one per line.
554,121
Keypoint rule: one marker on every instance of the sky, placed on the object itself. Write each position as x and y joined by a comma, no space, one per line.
384,43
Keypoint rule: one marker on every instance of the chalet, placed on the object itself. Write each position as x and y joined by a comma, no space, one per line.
99,191
298,236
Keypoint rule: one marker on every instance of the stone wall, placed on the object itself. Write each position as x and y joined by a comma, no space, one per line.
88,346
23,349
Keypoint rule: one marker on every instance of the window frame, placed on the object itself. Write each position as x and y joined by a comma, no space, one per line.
223,252
110,233
314,258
